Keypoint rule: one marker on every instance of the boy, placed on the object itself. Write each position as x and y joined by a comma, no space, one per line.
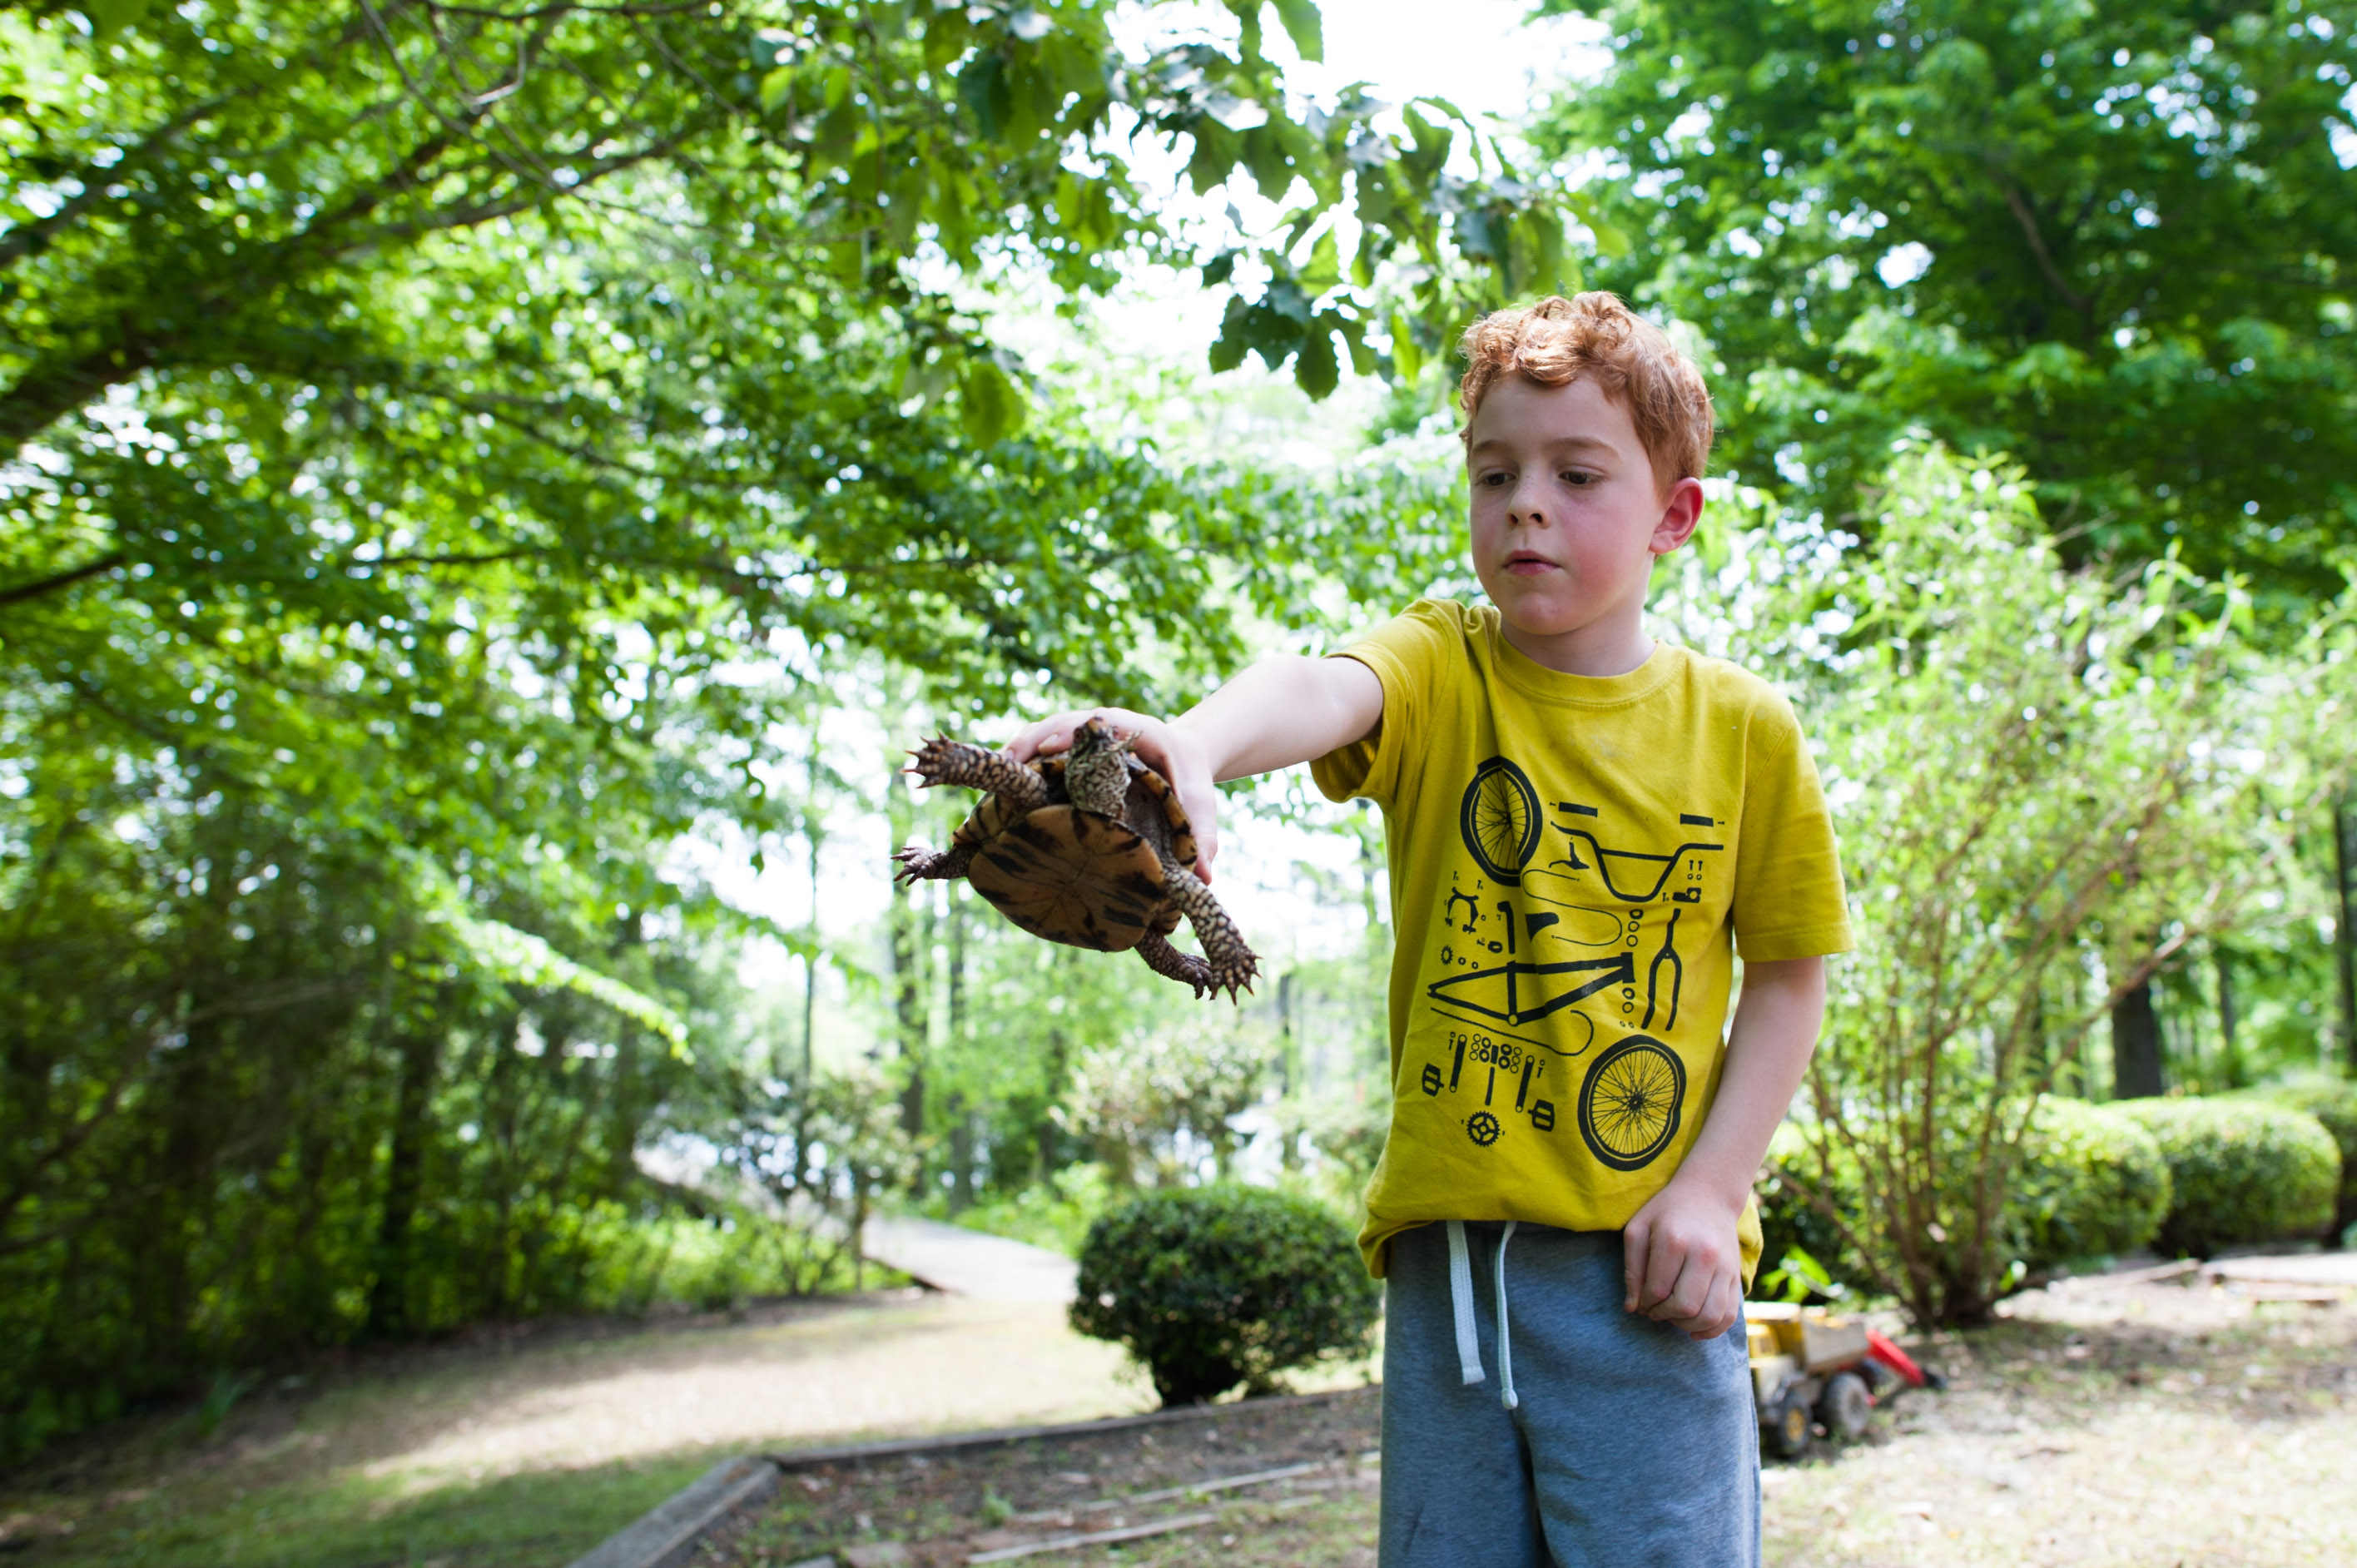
1582,826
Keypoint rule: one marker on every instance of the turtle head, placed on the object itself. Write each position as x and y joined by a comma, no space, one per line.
1097,776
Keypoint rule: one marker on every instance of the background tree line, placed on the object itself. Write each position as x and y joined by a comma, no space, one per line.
465,456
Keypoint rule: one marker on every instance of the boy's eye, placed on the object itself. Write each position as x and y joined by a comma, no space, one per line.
1493,480
1577,479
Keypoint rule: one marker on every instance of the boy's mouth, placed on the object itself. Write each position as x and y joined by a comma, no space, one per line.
1528,564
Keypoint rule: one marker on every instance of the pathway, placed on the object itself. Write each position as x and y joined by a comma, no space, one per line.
967,1262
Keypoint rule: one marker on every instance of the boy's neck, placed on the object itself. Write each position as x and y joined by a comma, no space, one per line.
1610,645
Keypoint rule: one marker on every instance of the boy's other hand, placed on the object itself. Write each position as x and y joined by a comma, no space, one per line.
1682,1263
1164,748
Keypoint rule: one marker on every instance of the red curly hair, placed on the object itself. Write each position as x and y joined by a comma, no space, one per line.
1558,341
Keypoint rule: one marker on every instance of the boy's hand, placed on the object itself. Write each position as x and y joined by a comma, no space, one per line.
1682,1263
1166,748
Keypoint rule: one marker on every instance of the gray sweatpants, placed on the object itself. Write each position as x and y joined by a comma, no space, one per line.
1630,1444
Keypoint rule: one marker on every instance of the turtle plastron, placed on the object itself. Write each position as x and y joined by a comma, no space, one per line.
1091,849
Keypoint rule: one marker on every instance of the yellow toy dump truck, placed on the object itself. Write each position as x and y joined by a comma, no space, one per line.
1811,1367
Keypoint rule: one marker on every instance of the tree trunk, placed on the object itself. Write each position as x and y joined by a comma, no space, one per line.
2344,940
2136,1046
2230,1053
421,1064
912,945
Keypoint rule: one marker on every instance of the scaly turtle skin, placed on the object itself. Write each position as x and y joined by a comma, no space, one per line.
1091,849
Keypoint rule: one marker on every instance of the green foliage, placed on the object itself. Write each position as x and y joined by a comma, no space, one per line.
2239,1171
1214,1286
2083,1182
452,456
2094,1183
2129,226
2333,1102
2037,777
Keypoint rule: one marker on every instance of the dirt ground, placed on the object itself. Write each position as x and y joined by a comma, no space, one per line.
2099,1424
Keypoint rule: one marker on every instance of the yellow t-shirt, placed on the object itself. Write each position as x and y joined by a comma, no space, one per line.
1573,862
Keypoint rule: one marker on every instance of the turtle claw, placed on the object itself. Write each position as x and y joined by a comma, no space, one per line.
941,760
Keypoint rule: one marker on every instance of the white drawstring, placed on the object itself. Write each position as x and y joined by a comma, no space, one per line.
1460,1297
1505,1347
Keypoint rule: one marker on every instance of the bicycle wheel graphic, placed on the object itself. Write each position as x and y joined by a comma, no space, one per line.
1629,1105
1500,820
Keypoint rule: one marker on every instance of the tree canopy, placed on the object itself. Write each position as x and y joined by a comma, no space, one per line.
2116,241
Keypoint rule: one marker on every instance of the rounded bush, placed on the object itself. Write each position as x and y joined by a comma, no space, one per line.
2334,1103
2239,1170
2092,1182
1214,1286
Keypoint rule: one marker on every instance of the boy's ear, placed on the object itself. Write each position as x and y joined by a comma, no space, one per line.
1681,510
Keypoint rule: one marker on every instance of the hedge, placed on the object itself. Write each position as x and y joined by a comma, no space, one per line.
2239,1170
2332,1103
1214,1286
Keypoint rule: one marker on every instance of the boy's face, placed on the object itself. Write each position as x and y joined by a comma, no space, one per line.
1567,519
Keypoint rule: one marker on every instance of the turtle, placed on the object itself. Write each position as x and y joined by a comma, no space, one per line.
1091,849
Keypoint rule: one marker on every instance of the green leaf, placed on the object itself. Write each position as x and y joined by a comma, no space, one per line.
1405,352
1229,348
776,87
991,407
1317,372
1303,26
981,87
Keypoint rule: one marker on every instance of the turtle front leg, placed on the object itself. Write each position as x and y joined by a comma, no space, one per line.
1232,965
941,760
920,864
1172,965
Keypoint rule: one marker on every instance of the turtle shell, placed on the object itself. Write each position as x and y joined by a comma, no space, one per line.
1076,877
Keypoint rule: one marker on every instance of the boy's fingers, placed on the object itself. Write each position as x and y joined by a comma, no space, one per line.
1633,1243
1664,1270
1044,735
1722,1306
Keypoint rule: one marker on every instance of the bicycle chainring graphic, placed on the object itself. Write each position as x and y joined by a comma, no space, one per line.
1483,1128
1630,1102
1500,820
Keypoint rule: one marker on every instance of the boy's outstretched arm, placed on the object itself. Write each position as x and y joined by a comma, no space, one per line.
1284,710
1681,1261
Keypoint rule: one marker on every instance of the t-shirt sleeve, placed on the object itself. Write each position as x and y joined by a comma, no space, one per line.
1789,900
1406,652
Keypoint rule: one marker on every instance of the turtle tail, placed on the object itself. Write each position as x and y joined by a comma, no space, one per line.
941,760
1229,963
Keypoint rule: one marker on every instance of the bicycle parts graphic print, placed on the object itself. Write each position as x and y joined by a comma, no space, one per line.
1538,957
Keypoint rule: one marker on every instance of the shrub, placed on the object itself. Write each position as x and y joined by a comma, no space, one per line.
2092,1182
1214,1286
2333,1103
2086,1182
2239,1170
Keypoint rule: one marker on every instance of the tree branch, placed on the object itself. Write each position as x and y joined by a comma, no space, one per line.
50,585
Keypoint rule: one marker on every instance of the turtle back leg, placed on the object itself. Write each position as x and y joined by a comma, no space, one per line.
1231,964
1172,964
941,760
919,864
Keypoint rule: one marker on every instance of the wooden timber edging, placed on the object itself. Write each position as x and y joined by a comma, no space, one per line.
665,1536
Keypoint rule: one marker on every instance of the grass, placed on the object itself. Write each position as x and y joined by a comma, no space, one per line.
531,1520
